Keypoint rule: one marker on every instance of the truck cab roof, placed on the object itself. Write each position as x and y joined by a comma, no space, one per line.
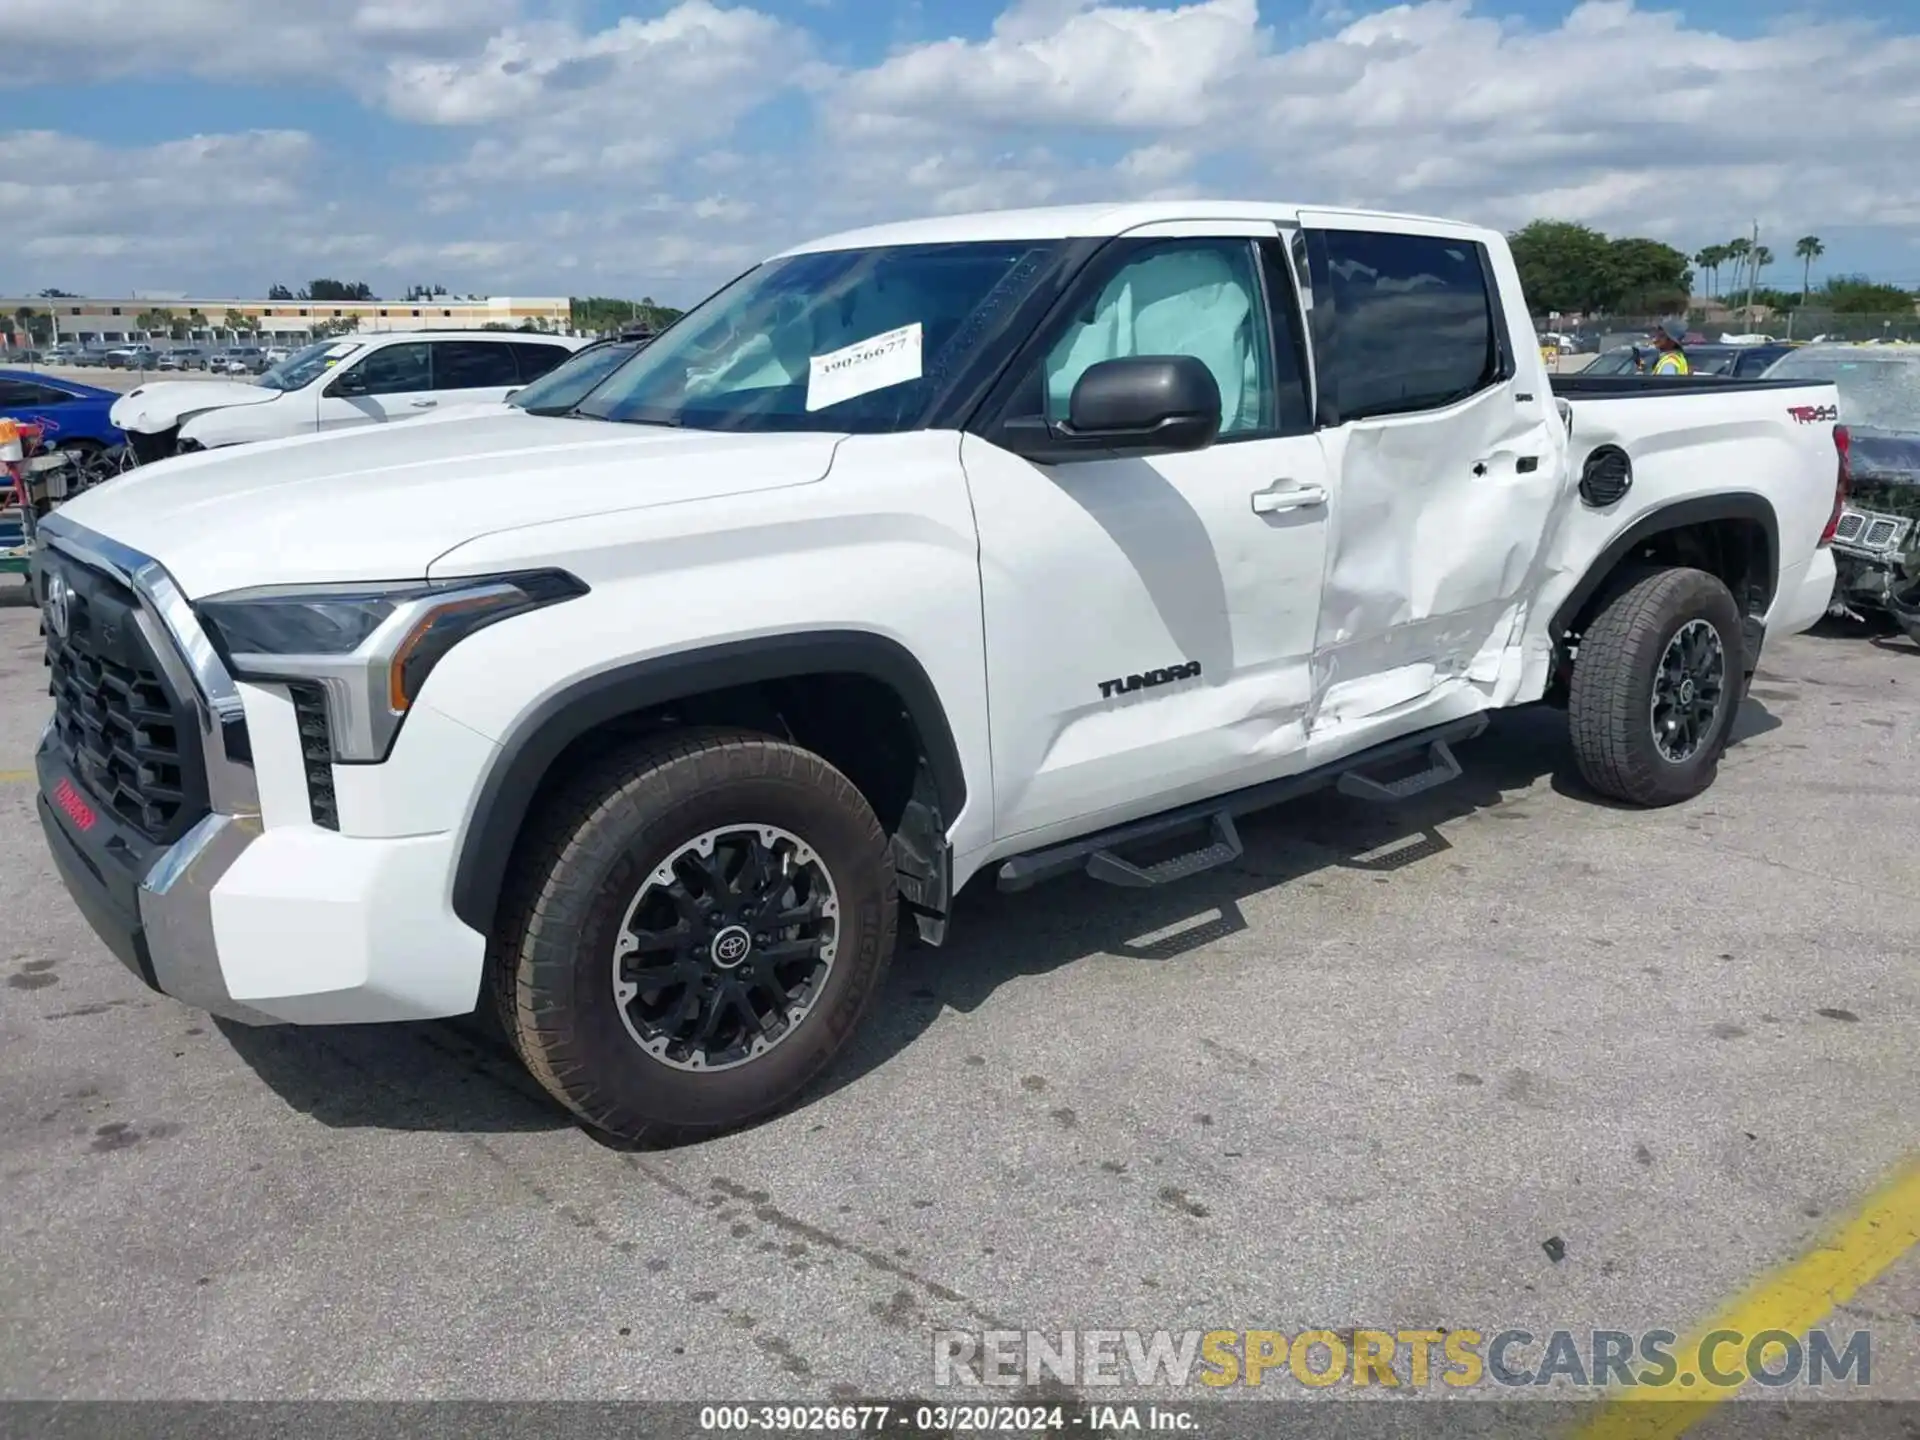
1093,221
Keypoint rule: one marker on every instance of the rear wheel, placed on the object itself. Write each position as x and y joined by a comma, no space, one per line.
695,928
1660,675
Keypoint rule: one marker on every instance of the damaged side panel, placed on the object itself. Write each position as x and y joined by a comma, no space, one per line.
1432,555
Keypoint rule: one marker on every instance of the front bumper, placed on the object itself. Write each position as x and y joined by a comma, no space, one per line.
297,926
281,924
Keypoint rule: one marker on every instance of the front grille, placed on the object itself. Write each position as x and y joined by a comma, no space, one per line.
316,752
1868,530
130,741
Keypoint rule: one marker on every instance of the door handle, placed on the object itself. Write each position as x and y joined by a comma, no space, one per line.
1281,496
423,404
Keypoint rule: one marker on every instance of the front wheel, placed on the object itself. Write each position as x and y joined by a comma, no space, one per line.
1660,675
693,930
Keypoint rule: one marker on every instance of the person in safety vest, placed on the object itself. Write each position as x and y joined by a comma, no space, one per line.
1669,358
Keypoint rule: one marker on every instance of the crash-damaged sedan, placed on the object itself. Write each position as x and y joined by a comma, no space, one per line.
1877,545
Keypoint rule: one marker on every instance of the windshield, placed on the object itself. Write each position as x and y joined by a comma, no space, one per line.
1877,392
567,384
303,366
851,340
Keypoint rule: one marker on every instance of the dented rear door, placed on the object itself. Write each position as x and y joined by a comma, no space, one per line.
1448,464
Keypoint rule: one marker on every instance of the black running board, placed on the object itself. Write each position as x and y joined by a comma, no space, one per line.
1097,854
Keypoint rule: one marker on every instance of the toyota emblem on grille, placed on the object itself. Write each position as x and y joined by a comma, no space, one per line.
58,603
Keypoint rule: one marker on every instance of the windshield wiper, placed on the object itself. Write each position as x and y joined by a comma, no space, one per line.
670,423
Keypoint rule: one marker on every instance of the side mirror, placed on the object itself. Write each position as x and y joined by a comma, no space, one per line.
1138,405
511,393
351,383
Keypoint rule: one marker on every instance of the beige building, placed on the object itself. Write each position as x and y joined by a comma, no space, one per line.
93,320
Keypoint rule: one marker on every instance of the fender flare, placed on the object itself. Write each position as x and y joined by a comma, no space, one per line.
1700,510
537,739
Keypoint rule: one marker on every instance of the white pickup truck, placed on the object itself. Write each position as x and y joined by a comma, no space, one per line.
1024,542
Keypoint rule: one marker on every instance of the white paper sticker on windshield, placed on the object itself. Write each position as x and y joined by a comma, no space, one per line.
889,359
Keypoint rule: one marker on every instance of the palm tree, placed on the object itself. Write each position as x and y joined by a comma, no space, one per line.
1762,257
1809,249
1709,260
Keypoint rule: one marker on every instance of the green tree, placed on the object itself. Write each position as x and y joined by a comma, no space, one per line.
1709,260
1738,249
1857,295
1563,266
154,320
1809,249
603,312
1645,276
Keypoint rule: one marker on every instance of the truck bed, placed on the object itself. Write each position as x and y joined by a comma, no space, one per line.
1629,387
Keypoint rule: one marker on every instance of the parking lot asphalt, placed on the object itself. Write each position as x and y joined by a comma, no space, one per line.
1503,1057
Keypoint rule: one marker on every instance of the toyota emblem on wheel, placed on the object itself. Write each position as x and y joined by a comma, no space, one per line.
58,603
730,946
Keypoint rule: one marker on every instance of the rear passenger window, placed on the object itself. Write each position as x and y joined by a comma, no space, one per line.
537,360
473,365
1403,322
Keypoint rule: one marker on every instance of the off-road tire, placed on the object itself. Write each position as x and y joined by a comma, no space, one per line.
581,862
1610,702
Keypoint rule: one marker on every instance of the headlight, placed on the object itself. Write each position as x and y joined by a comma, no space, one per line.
369,648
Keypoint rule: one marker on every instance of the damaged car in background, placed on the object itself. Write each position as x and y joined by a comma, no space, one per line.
1876,547
336,385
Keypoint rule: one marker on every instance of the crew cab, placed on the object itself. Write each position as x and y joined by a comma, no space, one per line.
1008,544
335,385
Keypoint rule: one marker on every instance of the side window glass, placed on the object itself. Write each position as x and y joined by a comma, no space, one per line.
1176,297
394,370
473,365
1411,325
1293,414
537,360
14,392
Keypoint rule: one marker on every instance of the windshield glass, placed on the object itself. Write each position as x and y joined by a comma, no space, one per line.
1877,392
1613,362
304,366
567,384
834,340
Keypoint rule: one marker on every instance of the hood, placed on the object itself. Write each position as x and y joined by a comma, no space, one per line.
1885,457
150,409
384,501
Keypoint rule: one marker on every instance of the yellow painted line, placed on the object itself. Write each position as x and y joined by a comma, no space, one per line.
15,777
1795,1298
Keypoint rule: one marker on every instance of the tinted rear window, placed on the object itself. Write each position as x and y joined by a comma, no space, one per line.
1407,324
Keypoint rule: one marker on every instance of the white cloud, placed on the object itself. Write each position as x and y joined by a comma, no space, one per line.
1073,64
567,105
666,150
68,41
1617,115
81,200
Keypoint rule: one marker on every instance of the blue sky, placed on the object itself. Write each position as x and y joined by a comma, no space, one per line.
573,146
